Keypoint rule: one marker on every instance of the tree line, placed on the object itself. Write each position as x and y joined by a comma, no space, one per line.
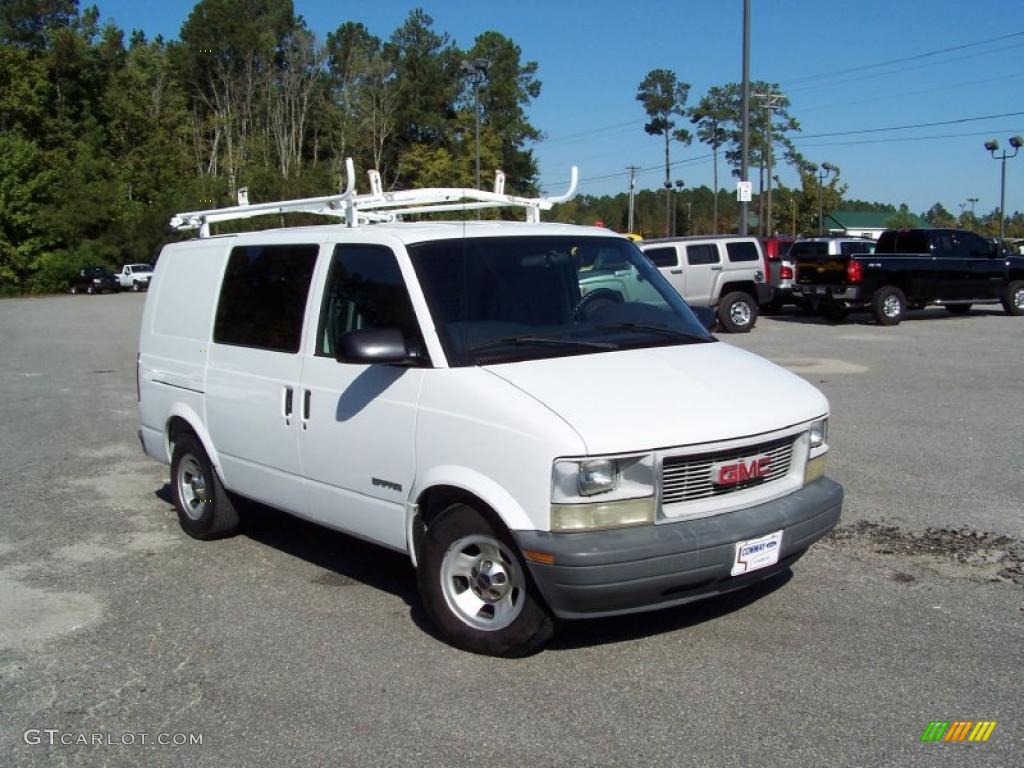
104,134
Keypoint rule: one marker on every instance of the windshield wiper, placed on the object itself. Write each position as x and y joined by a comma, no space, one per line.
652,328
541,341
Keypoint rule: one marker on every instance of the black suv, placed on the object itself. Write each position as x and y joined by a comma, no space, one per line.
94,280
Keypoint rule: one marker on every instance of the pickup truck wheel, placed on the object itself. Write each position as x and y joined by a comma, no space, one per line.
90,290
135,287
958,309
889,305
1013,301
475,588
205,510
834,311
737,312
74,290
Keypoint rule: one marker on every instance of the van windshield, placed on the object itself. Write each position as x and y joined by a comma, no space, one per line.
501,299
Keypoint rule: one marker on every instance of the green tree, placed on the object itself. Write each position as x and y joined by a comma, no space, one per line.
902,218
664,98
711,116
938,216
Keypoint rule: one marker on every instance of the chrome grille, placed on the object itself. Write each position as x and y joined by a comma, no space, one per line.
686,478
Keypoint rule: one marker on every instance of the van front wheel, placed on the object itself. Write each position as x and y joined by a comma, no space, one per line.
204,508
475,588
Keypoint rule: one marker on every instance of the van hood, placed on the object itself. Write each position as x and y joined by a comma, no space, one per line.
661,397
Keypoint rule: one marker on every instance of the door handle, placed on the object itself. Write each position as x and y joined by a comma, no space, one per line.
306,395
677,271
287,405
716,269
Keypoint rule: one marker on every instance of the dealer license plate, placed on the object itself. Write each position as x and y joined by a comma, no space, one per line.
754,554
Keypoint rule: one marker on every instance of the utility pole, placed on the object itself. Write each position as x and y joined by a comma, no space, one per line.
476,71
745,152
770,100
632,194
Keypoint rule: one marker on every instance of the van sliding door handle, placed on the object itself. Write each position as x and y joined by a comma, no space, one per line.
286,402
306,394
677,271
716,269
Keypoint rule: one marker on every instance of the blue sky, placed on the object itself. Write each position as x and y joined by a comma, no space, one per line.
592,55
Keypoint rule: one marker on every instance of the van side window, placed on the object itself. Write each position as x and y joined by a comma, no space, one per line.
263,297
702,254
365,289
742,251
662,257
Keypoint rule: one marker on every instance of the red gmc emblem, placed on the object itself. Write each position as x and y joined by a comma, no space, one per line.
744,470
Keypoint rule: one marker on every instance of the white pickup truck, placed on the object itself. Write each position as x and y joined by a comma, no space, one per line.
135,277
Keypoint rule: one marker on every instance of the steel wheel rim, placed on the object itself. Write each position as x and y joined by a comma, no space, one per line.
1018,298
192,487
739,313
891,306
482,583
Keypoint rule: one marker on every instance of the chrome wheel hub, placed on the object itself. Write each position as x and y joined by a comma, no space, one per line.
739,313
482,582
892,306
192,487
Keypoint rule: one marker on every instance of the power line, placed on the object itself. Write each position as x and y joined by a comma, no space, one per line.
893,139
907,127
888,96
903,59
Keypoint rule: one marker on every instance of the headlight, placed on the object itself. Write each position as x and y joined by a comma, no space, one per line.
819,433
97,280
597,476
594,494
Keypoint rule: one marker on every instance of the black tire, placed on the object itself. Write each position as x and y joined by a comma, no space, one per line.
90,290
889,305
958,309
205,511
833,311
737,312
74,290
594,302
455,530
1013,299
135,287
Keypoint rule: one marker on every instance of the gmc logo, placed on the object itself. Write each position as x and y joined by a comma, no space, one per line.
734,473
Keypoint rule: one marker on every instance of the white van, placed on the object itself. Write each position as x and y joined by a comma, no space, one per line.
727,272
464,392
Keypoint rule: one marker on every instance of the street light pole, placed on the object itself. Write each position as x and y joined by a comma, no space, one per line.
679,190
1016,142
632,194
670,210
745,152
476,71
823,172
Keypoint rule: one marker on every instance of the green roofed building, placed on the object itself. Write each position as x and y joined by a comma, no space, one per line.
865,223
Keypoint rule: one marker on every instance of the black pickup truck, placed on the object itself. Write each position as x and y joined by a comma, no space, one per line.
912,268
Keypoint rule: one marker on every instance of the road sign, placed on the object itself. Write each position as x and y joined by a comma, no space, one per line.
744,190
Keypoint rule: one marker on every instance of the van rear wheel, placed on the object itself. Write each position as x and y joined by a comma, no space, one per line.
737,312
205,510
476,589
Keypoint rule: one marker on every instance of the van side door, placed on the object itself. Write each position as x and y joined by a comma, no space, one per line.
252,371
358,422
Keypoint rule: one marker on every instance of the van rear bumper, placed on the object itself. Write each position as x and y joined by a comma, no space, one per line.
604,573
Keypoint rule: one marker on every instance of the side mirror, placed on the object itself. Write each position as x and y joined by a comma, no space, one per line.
706,316
374,346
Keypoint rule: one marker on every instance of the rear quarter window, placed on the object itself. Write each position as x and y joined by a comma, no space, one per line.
742,252
705,253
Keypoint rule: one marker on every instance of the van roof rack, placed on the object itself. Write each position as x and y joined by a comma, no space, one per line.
376,206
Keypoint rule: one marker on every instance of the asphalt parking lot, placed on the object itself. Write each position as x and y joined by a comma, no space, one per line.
290,645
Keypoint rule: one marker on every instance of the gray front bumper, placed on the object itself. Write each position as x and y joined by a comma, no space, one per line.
604,573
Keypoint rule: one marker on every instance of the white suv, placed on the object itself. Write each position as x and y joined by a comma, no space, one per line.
722,271
450,391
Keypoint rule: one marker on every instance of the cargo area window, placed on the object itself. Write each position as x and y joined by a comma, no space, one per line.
365,289
263,297
742,252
